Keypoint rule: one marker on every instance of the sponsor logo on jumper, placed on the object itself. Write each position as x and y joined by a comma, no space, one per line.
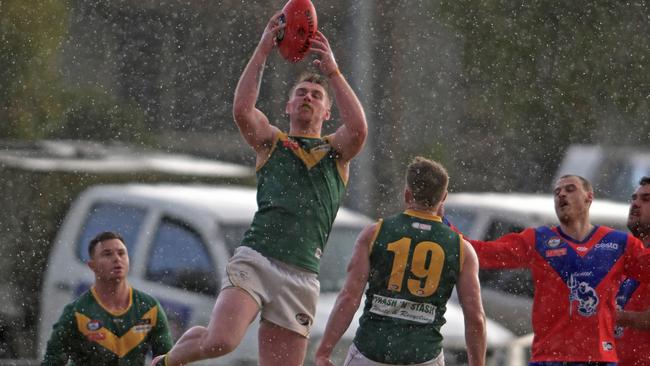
94,337
144,328
583,274
290,144
421,226
93,325
608,246
323,147
608,346
403,309
556,252
554,242
581,249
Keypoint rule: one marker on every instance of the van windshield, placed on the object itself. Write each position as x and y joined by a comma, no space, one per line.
334,262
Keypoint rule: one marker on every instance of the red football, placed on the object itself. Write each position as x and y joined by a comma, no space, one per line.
301,25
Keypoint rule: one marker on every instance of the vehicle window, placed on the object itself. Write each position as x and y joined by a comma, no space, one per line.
123,219
463,219
333,267
180,258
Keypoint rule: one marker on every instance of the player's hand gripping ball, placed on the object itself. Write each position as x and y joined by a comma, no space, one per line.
301,24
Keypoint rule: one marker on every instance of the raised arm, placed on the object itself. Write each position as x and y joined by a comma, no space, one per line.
514,250
253,125
349,138
469,296
349,298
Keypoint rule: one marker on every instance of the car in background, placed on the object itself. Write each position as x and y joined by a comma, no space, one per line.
507,293
614,171
179,239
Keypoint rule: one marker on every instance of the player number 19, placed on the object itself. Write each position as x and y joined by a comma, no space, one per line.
419,269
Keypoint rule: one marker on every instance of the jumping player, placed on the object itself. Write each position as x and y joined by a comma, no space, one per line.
633,299
407,292
301,181
575,267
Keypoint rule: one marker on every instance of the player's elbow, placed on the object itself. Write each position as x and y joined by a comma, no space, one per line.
475,324
349,299
217,346
360,134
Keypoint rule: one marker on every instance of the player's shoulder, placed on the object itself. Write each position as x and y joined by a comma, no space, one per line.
613,232
141,297
84,301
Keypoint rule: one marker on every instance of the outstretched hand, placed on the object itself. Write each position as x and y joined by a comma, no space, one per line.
271,31
158,361
325,58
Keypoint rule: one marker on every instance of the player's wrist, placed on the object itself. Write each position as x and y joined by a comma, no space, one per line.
333,74
161,361
324,351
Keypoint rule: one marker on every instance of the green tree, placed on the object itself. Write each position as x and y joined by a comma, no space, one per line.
31,34
34,101
541,75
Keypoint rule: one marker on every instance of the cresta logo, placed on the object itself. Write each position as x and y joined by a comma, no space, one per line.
609,246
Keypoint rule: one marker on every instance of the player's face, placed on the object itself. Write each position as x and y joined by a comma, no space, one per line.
572,200
638,220
309,101
110,260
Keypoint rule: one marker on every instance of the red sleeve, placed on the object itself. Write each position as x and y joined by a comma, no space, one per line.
637,259
509,251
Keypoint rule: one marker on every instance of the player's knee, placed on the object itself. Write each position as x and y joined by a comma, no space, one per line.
219,345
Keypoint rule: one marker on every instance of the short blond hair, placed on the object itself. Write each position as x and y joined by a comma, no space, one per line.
427,180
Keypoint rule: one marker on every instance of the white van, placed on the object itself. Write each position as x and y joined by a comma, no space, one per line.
179,240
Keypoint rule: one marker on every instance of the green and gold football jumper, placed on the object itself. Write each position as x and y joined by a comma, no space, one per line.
88,334
415,260
299,190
